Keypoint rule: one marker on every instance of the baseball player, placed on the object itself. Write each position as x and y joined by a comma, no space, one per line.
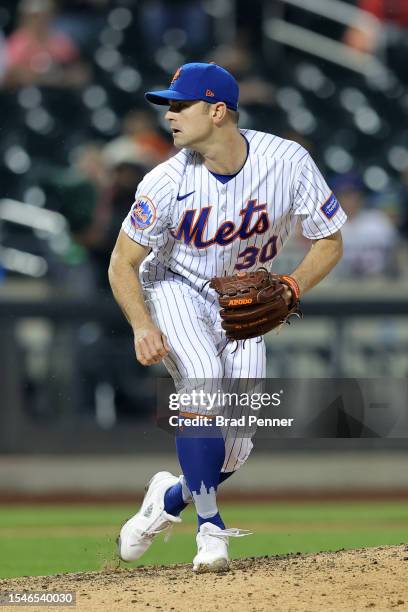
225,203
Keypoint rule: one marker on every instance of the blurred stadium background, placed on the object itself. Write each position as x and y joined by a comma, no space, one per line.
77,412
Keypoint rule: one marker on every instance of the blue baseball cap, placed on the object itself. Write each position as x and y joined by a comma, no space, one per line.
199,81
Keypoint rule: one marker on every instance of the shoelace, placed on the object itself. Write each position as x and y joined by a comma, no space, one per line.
152,532
231,532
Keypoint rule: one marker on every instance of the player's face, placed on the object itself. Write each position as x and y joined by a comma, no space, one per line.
190,123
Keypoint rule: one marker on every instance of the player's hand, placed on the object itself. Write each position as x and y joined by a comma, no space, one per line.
150,345
287,295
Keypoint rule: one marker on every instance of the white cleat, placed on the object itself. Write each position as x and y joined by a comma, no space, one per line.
212,544
138,532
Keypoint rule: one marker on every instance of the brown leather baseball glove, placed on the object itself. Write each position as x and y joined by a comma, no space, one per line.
252,303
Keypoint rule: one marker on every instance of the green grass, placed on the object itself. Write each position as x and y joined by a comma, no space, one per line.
51,539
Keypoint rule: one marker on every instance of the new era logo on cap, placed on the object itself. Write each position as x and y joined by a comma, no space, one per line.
199,81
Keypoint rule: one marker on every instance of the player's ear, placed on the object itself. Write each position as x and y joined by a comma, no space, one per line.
219,111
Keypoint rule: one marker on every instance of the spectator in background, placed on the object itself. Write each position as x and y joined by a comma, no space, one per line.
141,127
88,161
239,59
393,15
369,237
140,133
82,20
38,55
94,196
75,191
159,17
389,11
99,236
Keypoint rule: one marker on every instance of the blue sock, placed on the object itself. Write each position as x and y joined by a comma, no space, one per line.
173,498
201,459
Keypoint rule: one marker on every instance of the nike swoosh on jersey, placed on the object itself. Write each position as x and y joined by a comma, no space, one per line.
183,197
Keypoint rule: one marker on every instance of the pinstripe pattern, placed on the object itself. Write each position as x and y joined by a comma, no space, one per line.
278,173
195,337
282,181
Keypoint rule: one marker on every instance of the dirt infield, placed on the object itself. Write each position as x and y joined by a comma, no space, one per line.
355,580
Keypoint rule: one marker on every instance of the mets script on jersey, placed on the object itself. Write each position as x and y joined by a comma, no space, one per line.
199,227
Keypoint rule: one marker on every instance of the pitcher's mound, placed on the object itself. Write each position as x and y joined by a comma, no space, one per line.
350,580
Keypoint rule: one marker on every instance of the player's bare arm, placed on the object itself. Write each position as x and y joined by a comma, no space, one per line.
150,343
254,303
322,257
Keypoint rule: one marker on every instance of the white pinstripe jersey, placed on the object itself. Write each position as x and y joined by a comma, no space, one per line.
199,227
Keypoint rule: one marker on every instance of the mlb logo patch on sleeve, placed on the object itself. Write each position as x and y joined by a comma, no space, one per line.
143,213
331,206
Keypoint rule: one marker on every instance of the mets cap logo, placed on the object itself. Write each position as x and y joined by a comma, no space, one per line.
143,213
176,75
